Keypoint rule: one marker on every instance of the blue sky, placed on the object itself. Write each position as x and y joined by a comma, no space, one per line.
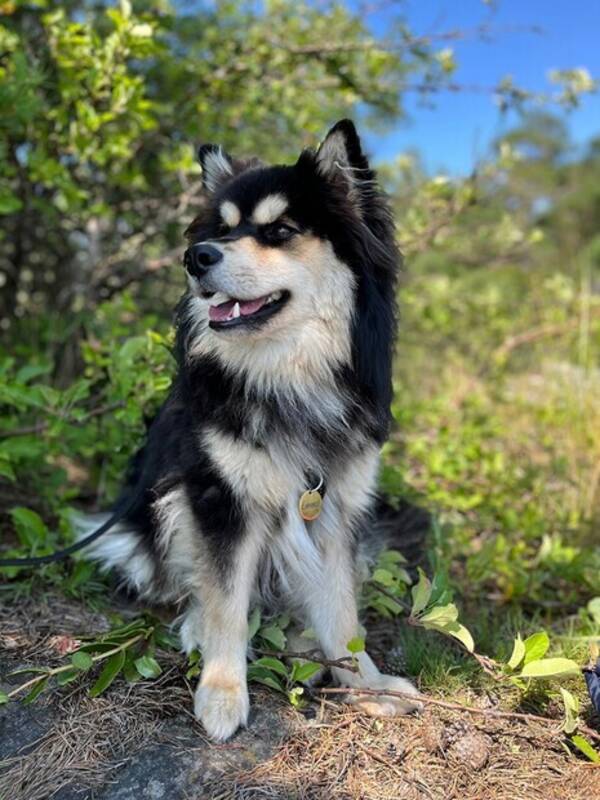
457,132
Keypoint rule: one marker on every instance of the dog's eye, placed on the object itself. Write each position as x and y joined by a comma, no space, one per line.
279,232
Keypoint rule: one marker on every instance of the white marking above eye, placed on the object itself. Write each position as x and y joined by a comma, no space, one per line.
269,209
230,213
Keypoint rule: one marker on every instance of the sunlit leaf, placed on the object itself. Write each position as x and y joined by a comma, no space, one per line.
518,653
536,646
549,668
421,593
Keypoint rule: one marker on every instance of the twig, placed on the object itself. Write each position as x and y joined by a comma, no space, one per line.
100,657
314,655
486,712
541,332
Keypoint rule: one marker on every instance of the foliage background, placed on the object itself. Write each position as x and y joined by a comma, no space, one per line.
497,403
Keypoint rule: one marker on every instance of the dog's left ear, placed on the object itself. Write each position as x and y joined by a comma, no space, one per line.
340,159
217,166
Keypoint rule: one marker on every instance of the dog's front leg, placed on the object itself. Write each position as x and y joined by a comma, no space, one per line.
332,611
217,622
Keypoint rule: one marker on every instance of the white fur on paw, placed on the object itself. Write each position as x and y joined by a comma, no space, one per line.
222,709
388,705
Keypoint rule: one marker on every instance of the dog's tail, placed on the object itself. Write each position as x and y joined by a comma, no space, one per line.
121,549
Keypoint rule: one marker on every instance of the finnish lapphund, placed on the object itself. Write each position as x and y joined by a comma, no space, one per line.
258,474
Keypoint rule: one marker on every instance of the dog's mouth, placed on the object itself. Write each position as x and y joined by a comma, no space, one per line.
234,313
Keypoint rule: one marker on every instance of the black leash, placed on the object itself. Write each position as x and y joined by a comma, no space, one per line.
60,554
117,516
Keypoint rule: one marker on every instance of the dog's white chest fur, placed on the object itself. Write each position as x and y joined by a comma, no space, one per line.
261,477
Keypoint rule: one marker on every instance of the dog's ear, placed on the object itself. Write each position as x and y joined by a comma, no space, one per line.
340,160
217,166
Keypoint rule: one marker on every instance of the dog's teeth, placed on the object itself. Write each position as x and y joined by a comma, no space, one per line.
236,311
274,297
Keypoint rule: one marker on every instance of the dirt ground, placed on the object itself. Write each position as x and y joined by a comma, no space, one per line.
142,741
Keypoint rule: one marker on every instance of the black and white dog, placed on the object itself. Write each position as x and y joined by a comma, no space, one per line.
284,346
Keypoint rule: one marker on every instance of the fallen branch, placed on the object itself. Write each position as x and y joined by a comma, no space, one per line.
50,673
345,662
485,712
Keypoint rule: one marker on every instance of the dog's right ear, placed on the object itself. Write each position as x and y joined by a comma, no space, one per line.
217,167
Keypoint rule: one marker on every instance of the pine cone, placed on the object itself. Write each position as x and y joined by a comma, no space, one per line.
435,738
472,750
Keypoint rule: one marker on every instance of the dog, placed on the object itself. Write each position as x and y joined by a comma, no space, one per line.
257,479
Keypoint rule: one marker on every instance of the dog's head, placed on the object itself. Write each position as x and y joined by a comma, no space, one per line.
292,260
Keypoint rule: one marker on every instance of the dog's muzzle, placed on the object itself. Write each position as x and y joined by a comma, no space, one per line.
199,258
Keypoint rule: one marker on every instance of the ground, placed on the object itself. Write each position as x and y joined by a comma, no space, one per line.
142,741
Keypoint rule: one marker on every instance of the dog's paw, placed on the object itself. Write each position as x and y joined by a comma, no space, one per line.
222,708
387,705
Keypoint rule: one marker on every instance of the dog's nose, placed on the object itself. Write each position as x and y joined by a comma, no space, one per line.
200,257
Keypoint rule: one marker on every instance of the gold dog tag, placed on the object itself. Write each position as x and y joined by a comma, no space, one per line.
310,505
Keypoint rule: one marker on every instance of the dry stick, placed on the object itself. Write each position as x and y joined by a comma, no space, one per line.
100,657
314,655
487,712
532,335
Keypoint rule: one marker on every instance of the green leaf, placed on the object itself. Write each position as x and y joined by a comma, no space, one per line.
98,647
265,676
4,698
111,669
549,667
461,633
30,527
130,672
82,660
421,593
586,748
518,653
295,697
67,676
148,666
385,603
392,556
6,470
536,646
304,671
384,577
274,635
253,624
167,639
273,664
440,615
571,711
593,608
36,691
9,203
356,645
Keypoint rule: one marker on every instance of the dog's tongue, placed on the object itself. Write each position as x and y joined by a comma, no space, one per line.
225,310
